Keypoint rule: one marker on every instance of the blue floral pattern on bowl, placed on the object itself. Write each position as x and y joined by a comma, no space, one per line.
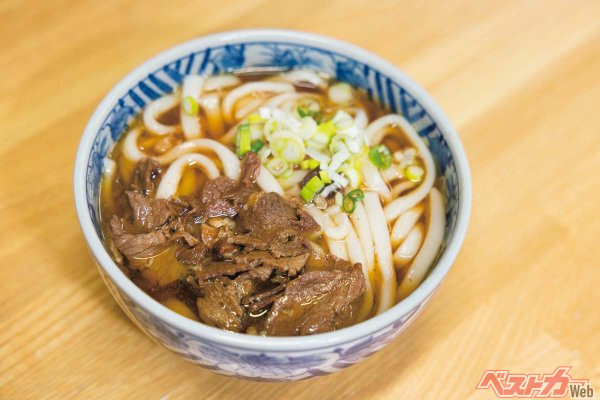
241,362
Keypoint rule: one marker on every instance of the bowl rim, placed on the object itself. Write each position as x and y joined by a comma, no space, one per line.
271,343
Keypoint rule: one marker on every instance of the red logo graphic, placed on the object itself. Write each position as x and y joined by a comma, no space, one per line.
555,385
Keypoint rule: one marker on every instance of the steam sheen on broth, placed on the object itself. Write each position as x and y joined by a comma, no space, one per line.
272,203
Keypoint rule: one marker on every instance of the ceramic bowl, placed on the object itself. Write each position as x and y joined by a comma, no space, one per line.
256,357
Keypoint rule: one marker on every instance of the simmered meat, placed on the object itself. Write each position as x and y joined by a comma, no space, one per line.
250,170
223,197
247,282
179,233
264,299
240,253
208,235
192,255
146,176
151,213
220,268
290,265
317,301
280,242
334,262
141,245
214,198
219,305
260,274
267,211
225,250
295,246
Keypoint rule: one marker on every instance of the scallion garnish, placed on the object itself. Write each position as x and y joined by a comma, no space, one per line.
325,177
414,173
243,141
256,145
348,204
255,119
309,164
328,128
305,112
277,166
349,201
190,105
312,187
356,194
380,156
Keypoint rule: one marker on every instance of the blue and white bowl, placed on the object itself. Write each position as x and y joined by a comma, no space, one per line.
255,357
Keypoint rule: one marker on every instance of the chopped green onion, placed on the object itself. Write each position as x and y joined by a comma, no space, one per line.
277,166
318,140
308,127
380,156
269,127
302,112
190,105
256,132
288,146
306,194
256,145
342,119
337,143
414,173
242,140
305,112
314,184
325,176
348,204
349,201
255,119
327,128
309,164
312,187
356,194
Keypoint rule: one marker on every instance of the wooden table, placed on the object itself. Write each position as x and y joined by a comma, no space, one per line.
521,82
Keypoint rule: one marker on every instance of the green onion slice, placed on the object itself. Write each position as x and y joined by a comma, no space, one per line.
255,119
242,140
190,105
312,187
356,194
348,204
309,164
277,166
380,156
349,201
256,145
328,128
414,173
305,112
325,177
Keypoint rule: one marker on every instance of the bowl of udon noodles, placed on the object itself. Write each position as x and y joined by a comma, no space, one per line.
271,204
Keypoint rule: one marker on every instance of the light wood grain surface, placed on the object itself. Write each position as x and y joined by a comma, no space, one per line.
519,79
